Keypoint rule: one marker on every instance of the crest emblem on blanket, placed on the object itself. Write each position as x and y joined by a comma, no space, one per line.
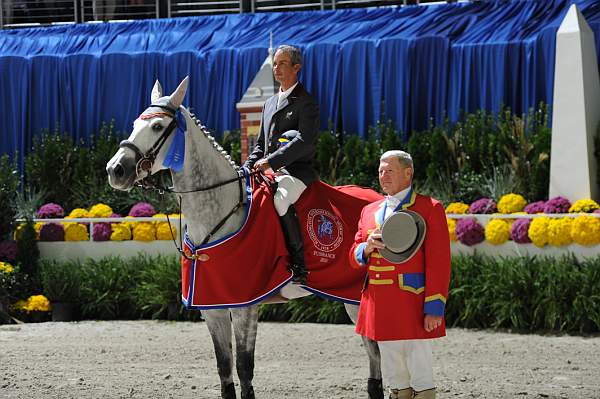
324,229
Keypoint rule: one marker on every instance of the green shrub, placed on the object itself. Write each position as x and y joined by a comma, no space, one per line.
159,285
28,256
9,182
107,287
60,281
525,293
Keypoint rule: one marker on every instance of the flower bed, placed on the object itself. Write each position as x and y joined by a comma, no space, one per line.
555,223
99,223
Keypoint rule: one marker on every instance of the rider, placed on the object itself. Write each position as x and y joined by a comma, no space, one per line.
286,144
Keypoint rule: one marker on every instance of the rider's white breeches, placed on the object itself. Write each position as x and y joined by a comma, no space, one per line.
289,189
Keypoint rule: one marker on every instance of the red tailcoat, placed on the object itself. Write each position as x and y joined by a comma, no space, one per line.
397,296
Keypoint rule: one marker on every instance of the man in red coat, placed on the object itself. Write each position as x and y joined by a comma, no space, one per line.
402,305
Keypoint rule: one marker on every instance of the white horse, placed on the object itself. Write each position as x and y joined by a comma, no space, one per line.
206,165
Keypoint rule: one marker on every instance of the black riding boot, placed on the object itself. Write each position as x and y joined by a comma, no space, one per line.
295,244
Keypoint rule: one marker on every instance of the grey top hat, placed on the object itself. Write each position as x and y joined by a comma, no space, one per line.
403,234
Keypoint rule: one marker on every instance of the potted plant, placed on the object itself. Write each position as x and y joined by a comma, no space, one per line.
60,284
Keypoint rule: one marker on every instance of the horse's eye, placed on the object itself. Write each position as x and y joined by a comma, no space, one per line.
157,127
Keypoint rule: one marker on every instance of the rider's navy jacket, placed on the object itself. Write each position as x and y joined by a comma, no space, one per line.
299,111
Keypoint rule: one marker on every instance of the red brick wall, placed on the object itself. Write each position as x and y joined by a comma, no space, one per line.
250,126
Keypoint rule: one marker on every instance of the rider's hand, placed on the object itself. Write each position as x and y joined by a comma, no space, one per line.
373,242
262,165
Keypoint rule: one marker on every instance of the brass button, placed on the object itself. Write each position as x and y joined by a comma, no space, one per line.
377,275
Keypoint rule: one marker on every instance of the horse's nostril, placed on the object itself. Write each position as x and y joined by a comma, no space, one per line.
119,171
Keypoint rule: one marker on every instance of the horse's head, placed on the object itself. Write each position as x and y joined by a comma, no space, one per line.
143,153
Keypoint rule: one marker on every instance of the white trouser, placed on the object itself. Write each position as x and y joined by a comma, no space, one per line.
407,364
289,189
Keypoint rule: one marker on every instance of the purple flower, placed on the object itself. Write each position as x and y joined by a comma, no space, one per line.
52,232
469,231
483,206
50,210
519,230
142,209
535,207
596,211
557,205
8,251
101,232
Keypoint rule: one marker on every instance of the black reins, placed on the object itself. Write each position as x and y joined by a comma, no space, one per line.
145,164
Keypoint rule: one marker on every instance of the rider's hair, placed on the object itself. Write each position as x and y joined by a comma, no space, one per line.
294,53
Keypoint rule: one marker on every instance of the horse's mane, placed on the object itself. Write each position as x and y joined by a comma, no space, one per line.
212,140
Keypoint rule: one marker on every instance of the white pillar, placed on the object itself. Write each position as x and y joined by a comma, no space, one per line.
576,110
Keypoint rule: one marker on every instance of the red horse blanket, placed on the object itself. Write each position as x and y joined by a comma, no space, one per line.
247,266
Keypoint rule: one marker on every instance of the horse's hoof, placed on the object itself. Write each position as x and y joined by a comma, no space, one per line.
248,394
228,391
375,388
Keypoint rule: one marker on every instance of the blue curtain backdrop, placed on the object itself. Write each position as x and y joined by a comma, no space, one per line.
411,65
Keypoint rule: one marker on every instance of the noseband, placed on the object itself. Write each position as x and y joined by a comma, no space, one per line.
145,161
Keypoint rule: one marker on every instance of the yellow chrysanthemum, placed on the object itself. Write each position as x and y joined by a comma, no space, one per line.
538,231
511,203
6,267
452,229
100,211
144,231
18,231
78,213
497,231
160,215
559,231
120,232
584,206
164,233
585,230
35,303
457,208
19,305
38,227
76,232
131,225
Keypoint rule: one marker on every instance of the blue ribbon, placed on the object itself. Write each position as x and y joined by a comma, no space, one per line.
176,153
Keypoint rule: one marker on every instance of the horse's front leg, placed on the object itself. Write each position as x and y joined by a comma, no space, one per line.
245,325
219,326
374,384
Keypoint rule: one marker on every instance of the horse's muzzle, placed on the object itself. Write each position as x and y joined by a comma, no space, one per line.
121,173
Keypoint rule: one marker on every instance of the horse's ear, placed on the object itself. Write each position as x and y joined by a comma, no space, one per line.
179,94
157,92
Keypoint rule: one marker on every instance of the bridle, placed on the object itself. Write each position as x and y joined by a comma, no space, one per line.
145,161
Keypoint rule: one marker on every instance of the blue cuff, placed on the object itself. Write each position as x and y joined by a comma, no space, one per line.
434,307
359,254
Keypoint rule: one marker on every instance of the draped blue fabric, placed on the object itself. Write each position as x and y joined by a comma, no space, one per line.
412,65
